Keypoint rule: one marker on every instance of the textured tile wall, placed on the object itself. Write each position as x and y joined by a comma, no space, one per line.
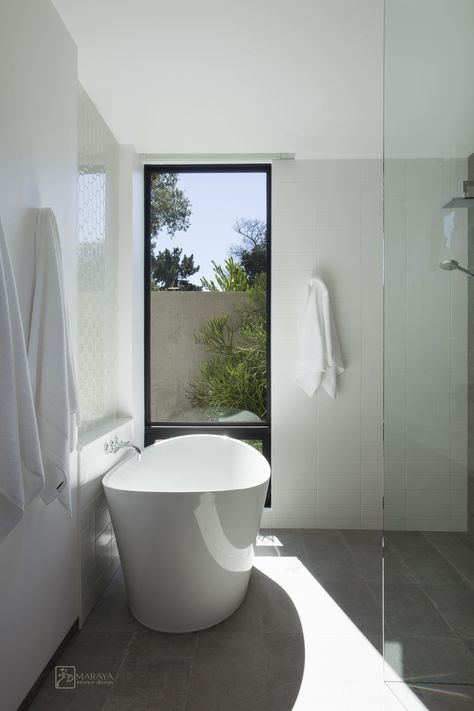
426,347
97,266
99,554
327,454
97,360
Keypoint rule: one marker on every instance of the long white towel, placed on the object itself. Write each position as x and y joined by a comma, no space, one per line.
51,363
319,358
21,468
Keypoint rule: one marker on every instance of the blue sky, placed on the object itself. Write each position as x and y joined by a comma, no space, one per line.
217,200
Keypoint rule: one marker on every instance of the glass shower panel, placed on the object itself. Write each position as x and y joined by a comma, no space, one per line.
428,342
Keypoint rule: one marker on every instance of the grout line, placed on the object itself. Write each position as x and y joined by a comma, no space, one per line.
126,654
191,670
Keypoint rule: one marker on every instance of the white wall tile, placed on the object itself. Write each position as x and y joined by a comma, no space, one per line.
319,442
371,515
337,484
371,499
348,516
295,498
334,497
425,332
371,453
99,557
372,483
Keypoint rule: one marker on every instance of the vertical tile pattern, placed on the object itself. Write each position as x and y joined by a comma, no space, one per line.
97,266
99,554
425,415
327,454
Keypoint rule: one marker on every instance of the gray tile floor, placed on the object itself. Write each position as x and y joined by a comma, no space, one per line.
429,608
255,659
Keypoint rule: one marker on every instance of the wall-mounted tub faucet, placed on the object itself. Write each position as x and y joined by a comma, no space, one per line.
113,446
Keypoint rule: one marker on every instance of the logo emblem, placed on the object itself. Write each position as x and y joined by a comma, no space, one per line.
65,677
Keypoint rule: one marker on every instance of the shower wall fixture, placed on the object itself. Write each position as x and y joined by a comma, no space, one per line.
450,265
464,201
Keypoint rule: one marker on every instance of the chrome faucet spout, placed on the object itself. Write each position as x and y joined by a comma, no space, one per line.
115,444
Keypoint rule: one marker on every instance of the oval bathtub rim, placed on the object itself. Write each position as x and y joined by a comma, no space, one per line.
132,455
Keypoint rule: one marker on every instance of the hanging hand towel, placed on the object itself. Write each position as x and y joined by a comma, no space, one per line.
21,468
51,363
320,360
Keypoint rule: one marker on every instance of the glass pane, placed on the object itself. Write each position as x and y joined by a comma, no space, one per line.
208,297
429,312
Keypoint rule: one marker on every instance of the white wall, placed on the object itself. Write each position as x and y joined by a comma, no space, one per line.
428,57
131,300
327,454
38,83
426,347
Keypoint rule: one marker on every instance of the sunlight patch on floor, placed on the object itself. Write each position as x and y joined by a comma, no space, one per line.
267,541
342,669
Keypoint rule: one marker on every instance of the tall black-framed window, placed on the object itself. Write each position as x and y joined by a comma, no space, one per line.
207,301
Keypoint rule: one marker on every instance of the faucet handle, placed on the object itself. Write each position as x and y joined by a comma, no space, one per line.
111,446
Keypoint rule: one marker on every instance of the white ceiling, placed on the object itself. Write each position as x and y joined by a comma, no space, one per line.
277,76
429,97
234,76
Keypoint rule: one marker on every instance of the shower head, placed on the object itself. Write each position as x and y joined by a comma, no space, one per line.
465,200
450,265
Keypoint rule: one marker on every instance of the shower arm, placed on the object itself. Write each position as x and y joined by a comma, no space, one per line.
466,271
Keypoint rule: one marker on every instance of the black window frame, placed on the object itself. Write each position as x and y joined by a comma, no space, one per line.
164,430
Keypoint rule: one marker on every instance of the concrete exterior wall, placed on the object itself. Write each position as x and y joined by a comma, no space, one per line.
175,358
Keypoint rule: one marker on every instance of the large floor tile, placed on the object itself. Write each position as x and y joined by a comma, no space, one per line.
456,604
454,548
278,611
433,697
395,570
366,549
284,667
423,560
445,698
357,602
428,659
328,556
228,673
408,612
148,683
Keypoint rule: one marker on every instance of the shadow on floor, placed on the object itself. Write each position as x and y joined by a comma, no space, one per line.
255,659
252,661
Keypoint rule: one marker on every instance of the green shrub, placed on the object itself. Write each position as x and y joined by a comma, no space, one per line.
234,377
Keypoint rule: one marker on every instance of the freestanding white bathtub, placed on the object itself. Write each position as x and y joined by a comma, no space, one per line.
185,519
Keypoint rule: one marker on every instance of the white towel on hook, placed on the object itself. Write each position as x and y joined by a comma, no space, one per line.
319,358
21,468
52,370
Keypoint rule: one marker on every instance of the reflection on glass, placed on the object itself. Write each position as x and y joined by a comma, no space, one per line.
428,343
